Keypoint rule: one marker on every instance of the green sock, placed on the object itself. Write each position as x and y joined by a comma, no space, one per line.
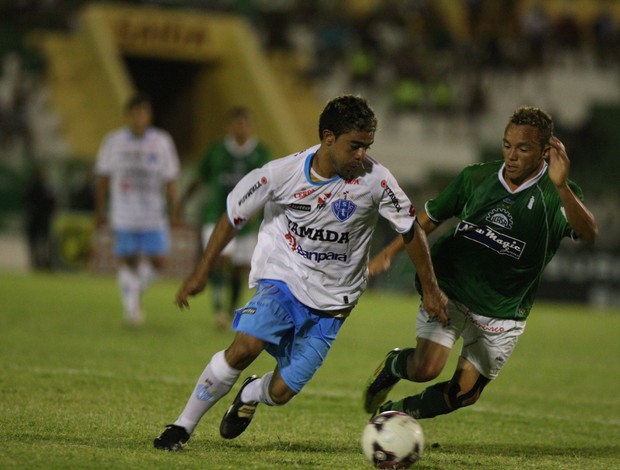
398,364
428,404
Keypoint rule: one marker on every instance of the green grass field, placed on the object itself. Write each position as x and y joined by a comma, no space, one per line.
80,390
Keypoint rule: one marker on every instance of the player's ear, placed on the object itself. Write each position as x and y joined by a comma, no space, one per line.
546,150
328,137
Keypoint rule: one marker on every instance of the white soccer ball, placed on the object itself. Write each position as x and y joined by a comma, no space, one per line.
393,440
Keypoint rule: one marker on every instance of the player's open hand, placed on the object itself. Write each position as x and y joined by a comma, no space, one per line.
193,285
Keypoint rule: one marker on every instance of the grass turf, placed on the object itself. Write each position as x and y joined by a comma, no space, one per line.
78,389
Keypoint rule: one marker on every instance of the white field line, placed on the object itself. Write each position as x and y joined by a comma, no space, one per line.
322,393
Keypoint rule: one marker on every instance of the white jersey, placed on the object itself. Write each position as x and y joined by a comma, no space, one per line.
139,168
315,236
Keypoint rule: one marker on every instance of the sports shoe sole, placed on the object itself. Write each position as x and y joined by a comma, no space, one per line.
382,381
239,415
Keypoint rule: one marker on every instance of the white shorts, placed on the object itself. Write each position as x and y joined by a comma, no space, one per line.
487,342
240,248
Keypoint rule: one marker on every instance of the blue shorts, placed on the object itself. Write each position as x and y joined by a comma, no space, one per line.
298,336
146,242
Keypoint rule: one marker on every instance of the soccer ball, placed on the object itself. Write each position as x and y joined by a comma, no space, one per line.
393,440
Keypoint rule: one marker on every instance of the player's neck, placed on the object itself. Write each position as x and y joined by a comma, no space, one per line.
241,141
321,166
139,131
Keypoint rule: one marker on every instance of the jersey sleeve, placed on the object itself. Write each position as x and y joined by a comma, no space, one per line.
395,206
249,196
171,168
103,164
450,202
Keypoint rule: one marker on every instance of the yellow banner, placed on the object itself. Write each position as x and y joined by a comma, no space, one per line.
178,35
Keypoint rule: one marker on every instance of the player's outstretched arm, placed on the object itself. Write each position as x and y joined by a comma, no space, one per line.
101,199
381,261
173,203
434,299
195,283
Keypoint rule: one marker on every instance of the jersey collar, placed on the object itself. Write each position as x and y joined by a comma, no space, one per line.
146,135
524,186
239,151
307,171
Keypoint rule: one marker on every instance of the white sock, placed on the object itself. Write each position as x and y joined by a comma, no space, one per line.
147,273
216,381
129,283
258,391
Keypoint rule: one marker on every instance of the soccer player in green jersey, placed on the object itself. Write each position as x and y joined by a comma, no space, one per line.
221,167
512,218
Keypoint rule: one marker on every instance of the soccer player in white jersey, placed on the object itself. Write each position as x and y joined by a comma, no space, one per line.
136,169
513,215
309,267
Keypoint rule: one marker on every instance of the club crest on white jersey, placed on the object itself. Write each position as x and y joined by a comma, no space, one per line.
343,209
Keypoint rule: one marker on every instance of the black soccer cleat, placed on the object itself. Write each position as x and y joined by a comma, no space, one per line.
379,385
173,438
239,415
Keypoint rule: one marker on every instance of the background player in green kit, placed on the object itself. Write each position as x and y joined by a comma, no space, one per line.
221,167
513,216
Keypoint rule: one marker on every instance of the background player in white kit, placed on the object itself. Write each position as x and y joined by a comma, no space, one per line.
136,168
309,268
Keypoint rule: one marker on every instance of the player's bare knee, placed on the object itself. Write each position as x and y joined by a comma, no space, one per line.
424,371
158,262
131,261
243,350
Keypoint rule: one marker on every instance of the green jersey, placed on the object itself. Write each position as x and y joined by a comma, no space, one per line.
221,167
492,261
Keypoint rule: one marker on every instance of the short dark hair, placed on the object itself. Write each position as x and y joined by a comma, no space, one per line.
138,99
531,116
347,113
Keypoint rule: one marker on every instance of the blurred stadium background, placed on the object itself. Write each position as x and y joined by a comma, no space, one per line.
443,77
